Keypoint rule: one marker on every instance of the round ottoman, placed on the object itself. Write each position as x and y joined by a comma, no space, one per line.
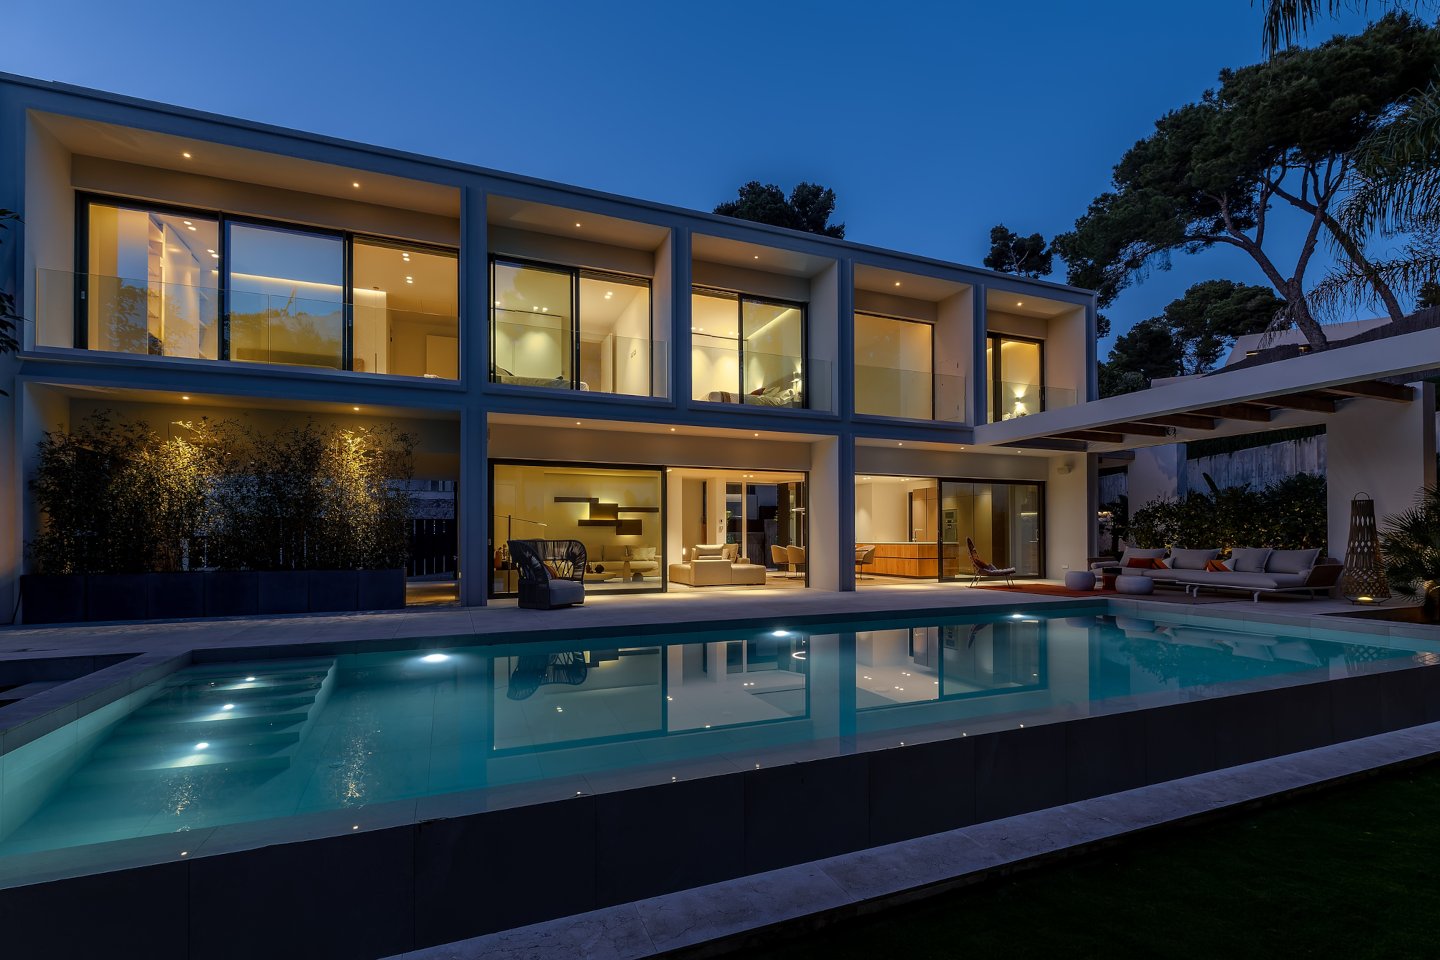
1079,580
1132,584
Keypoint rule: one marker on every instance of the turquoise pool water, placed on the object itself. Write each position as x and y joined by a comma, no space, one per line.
238,742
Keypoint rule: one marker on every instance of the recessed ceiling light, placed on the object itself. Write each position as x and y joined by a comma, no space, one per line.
409,279
757,434
1019,303
356,184
184,397
185,154
186,222
577,423
435,657
201,745
356,409
756,257
899,444
897,283
190,228
213,256
672,429
209,249
577,224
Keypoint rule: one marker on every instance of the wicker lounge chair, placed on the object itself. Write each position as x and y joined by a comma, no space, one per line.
552,572
983,569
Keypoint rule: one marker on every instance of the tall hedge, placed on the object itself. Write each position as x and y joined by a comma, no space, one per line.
1287,514
115,497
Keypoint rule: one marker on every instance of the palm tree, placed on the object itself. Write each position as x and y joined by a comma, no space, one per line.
1410,544
1399,167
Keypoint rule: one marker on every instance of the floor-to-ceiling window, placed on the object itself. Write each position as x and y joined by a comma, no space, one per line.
572,329
406,298
616,512
746,349
1002,519
1015,375
894,361
210,286
153,282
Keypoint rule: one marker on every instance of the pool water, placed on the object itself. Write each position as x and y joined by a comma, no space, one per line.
229,743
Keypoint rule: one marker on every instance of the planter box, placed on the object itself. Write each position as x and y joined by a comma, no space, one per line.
284,591
381,589
116,596
332,590
175,596
232,593
217,593
52,598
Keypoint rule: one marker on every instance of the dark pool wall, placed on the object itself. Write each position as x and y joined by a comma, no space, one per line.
382,892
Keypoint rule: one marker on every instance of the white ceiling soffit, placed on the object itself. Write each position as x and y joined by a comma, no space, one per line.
167,152
755,256
574,224
900,284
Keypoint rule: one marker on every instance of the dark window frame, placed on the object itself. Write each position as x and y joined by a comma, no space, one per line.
993,339
576,274
741,298
84,199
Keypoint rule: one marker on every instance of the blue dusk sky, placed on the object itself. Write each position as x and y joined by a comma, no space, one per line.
932,121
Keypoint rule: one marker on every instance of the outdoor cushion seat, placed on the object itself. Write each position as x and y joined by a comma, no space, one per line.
1255,581
566,591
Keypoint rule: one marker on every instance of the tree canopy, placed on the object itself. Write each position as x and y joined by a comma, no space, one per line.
1026,256
1276,132
1210,315
809,207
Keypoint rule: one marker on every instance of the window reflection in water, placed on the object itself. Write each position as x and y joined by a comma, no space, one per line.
918,664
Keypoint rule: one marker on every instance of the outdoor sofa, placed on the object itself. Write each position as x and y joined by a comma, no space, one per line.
1252,570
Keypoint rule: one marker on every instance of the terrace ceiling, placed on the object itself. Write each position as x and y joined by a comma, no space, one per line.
1297,391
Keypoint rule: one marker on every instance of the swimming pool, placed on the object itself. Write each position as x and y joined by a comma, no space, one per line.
266,740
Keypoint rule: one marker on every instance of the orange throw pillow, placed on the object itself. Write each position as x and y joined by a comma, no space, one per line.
1216,566
1140,563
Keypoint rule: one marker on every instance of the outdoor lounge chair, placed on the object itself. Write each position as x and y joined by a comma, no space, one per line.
552,572
986,570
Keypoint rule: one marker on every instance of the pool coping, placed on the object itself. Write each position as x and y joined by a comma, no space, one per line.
766,908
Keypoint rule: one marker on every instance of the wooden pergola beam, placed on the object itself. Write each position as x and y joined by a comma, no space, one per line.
1139,429
1190,421
1240,411
1375,390
1307,400
1094,436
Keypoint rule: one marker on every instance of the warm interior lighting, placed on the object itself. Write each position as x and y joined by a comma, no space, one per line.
1019,303
356,184
184,398
577,224
356,409
897,283
185,154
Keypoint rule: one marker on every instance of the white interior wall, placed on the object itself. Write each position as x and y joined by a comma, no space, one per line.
758,283
662,290
823,323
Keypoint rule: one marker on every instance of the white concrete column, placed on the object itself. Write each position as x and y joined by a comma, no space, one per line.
1070,485
1385,449
830,553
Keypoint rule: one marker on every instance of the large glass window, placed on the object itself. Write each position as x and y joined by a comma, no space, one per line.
894,360
616,512
1002,519
1015,373
745,350
153,284
213,288
406,301
287,296
572,329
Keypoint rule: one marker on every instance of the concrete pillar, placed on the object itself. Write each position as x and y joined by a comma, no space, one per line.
830,552
1384,449
979,383
679,333
1070,508
472,498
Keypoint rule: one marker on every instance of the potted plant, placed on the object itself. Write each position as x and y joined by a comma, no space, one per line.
1410,546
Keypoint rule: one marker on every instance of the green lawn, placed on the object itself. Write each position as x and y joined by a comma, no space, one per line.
1351,873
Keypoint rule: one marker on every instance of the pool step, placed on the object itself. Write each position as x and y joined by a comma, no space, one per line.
186,731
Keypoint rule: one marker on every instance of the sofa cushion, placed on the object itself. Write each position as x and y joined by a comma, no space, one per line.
1291,561
706,550
1140,553
1249,559
642,553
1191,559
567,591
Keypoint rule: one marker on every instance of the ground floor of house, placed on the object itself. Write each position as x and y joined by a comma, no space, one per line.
660,507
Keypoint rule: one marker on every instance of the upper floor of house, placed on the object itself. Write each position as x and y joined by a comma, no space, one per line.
158,238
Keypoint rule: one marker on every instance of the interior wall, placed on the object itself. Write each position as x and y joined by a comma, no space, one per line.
232,196
758,283
49,212
1065,365
892,305
954,357
662,295
823,323
882,510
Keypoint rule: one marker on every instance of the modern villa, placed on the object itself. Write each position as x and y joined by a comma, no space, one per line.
785,455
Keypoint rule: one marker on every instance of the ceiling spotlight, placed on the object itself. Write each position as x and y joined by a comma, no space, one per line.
356,409
435,657
897,283
356,184
757,434
577,423
185,154
186,222
184,397
201,745
577,224
1019,303
756,257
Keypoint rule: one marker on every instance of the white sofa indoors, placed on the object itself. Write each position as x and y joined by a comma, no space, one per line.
620,562
1253,570
715,565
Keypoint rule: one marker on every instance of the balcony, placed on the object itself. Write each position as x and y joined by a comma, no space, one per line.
543,350
724,374
150,317
909,394
1013,399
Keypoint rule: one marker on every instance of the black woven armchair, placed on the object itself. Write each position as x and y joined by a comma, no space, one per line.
552,572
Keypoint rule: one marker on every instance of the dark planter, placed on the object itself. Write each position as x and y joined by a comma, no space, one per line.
175,596
52,598
115,596
231,593
381,589
1430,604
332,590
284,591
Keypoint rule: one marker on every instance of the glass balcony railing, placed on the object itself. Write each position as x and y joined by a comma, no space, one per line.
541,353
1013,399
155,318
770,380
911,394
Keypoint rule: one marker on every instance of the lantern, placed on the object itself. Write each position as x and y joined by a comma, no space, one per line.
1364,579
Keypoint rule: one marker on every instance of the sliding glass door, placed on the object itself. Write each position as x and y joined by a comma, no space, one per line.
1015,370
1002,519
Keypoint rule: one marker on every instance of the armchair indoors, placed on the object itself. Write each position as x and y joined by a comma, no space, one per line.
552,572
